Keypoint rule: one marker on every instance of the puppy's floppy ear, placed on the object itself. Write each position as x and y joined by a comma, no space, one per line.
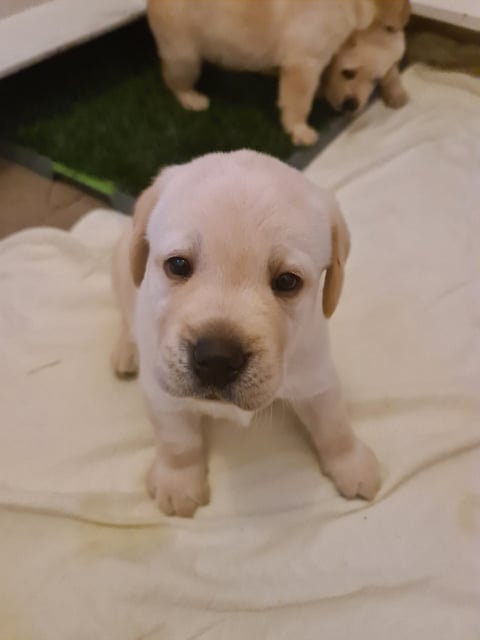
334,277
351,42
138,243
394,14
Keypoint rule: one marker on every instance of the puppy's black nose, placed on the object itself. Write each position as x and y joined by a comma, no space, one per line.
217,361
350,105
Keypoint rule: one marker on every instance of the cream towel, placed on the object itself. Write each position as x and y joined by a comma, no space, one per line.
278,554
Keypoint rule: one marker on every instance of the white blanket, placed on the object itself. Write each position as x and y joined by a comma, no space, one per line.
278,554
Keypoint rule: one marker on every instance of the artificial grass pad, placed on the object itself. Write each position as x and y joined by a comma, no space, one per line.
102,109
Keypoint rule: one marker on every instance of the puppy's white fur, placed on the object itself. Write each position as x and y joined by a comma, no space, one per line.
241,219
296,37
367,59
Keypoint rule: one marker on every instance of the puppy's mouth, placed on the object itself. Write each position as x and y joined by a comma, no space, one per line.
243,394
213,395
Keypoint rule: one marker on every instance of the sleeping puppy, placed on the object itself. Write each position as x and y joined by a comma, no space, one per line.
297,37
367,59
225,277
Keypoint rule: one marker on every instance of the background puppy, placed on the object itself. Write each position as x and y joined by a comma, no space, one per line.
367,59
297,37
228,253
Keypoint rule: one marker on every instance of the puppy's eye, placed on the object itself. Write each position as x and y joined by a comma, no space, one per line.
178,267
286,283
349,74
390,29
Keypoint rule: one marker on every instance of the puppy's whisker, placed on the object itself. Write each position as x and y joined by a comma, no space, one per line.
283,414
265,416
290,401
270,417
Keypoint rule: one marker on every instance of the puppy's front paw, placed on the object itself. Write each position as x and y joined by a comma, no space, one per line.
193,100
303,135
178,492
395,99
355,472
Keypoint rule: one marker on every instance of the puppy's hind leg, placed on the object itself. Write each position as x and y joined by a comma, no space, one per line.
124,357
181,71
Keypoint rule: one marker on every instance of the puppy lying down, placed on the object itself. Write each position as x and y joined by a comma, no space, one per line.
225,277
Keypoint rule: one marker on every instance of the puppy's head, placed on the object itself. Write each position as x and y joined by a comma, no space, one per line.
230,250
359,67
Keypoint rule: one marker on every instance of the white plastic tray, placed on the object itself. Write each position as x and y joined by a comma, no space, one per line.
36,33
462,13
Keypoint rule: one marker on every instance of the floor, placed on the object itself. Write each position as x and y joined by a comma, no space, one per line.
27,200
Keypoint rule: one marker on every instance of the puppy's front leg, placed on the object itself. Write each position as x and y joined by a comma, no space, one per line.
177,480
391,89
344,458
298,84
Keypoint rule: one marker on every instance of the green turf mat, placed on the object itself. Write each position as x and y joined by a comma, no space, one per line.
102,111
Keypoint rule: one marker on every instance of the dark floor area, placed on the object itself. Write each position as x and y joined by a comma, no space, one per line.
30,200
103,110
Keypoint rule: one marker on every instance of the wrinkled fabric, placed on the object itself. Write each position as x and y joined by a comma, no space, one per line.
277,554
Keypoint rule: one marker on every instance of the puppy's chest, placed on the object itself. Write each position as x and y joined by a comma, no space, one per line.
309,369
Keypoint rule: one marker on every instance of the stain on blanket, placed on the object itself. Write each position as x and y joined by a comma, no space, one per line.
113,531
468,514
129,544
120,510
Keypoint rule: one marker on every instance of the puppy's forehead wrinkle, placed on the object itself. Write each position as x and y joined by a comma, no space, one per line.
376,50
235,186
235,211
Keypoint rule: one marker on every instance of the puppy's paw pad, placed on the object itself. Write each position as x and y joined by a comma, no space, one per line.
355,473
178,492
124,359
194,101
303,135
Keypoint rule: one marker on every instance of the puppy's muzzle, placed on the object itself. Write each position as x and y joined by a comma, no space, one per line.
350,105
217,361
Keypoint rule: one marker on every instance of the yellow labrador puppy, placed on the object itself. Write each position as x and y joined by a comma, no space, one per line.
219,277
296,37
368,59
